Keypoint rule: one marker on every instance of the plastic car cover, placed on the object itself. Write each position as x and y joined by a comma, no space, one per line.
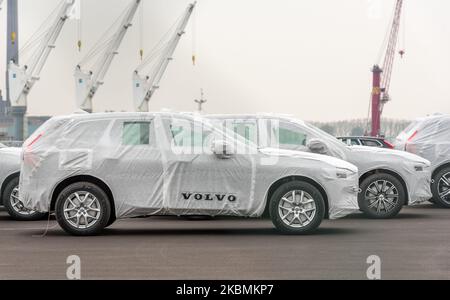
9,162
157,177
414,170
428,137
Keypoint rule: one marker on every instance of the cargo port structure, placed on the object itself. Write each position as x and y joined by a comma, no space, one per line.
20,79
145,86
381,81
89,79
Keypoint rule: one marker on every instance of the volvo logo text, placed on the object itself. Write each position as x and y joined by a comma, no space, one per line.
209,197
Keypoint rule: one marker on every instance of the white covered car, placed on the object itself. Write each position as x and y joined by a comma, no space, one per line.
388,179
93,169
9,180
430,138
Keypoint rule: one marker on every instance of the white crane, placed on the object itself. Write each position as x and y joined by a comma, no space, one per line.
88,82
23,78
144,87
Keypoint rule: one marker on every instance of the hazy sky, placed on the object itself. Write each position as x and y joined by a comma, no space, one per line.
302,57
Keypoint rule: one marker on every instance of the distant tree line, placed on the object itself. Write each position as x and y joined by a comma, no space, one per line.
390,128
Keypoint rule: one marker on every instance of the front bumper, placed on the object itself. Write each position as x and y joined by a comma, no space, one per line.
419,187
343,197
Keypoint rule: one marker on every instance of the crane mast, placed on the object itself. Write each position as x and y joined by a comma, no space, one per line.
88,82
21,79
381,80
144,87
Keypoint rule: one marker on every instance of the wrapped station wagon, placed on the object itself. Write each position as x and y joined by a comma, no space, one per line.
388,179
93,169
430,138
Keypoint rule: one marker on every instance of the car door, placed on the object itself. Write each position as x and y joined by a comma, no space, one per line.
134,166
196,180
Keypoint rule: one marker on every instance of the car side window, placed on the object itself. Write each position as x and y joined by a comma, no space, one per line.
246,129
355,142
87,134
288,136
186,134
371,143
136,133
346,141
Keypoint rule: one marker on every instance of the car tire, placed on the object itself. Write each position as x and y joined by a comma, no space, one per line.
83,209
11,203
299,218
439,186
382,196
111,221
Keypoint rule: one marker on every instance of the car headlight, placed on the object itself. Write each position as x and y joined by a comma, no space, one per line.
419,166
342,173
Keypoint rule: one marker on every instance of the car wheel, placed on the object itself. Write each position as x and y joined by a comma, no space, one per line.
382,196
441,188
15,207
297,208
83,209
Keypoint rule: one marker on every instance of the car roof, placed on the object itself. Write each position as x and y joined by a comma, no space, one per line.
433,118
121,115
284,117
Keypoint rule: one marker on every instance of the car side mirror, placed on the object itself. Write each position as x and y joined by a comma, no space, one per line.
317,146
223,149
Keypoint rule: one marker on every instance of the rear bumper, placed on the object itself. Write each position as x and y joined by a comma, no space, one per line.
34,195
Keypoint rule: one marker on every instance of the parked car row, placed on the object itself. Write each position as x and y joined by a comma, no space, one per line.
388,179
92,169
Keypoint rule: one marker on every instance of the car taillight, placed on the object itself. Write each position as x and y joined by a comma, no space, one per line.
411,138
30,158
34,141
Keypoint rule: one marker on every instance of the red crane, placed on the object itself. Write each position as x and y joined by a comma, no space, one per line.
382,76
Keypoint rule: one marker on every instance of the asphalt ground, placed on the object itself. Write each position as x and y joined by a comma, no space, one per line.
413,246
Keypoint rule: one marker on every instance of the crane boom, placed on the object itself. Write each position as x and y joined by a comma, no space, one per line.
391,51
144,87
88,82
22,78
382,76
